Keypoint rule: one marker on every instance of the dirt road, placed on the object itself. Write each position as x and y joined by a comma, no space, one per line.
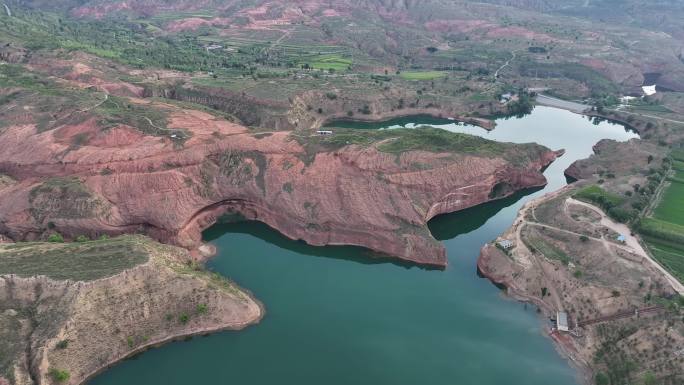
632,242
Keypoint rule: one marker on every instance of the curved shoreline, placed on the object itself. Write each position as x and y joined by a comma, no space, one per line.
177,337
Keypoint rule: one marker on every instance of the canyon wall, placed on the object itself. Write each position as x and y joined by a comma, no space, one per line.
121,181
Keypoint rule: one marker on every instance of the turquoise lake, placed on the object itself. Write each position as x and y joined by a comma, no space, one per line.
337,317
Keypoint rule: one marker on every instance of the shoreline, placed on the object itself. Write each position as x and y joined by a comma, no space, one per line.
481,122
179,337
512,292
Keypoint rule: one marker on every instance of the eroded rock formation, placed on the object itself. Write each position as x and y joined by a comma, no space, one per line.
83,179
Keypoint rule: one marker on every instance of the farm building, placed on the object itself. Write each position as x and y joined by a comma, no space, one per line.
505,244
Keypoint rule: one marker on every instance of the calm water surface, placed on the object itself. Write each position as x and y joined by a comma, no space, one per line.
336,317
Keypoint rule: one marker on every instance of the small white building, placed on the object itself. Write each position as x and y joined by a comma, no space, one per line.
649,90
324,132
562,321
505,244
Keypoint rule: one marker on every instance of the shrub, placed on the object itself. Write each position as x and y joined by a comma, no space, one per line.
601,379
59,375
202,308
56,238
82,238
62,344
584,238
184,318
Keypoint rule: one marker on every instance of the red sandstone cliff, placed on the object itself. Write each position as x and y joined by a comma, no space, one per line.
122,181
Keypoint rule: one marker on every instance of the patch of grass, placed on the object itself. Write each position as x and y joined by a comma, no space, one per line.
422,75
649,108
547,249
147,119
328,62
424,138
74,261
595,194
614,205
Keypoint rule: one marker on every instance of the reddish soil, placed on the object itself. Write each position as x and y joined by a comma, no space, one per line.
131,182
193,23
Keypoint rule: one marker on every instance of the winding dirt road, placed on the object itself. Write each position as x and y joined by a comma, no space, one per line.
631,241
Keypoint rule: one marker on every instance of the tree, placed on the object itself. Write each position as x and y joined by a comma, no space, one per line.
601,379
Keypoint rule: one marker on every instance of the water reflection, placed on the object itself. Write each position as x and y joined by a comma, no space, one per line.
267,234
449,226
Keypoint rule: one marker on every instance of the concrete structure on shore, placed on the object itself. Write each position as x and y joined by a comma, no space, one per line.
562,321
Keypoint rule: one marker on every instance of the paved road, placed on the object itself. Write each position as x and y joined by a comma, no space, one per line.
550,101
580,108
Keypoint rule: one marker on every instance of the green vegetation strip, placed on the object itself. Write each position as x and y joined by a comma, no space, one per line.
425,138
422,75
79,261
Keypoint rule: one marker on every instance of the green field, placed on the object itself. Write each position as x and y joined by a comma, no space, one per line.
422,75
668,254
664,232
329,62
79,261
595,194
671,207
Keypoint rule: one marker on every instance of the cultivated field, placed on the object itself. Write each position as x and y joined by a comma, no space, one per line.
665,230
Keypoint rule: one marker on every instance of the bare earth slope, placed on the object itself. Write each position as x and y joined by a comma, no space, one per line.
59,315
